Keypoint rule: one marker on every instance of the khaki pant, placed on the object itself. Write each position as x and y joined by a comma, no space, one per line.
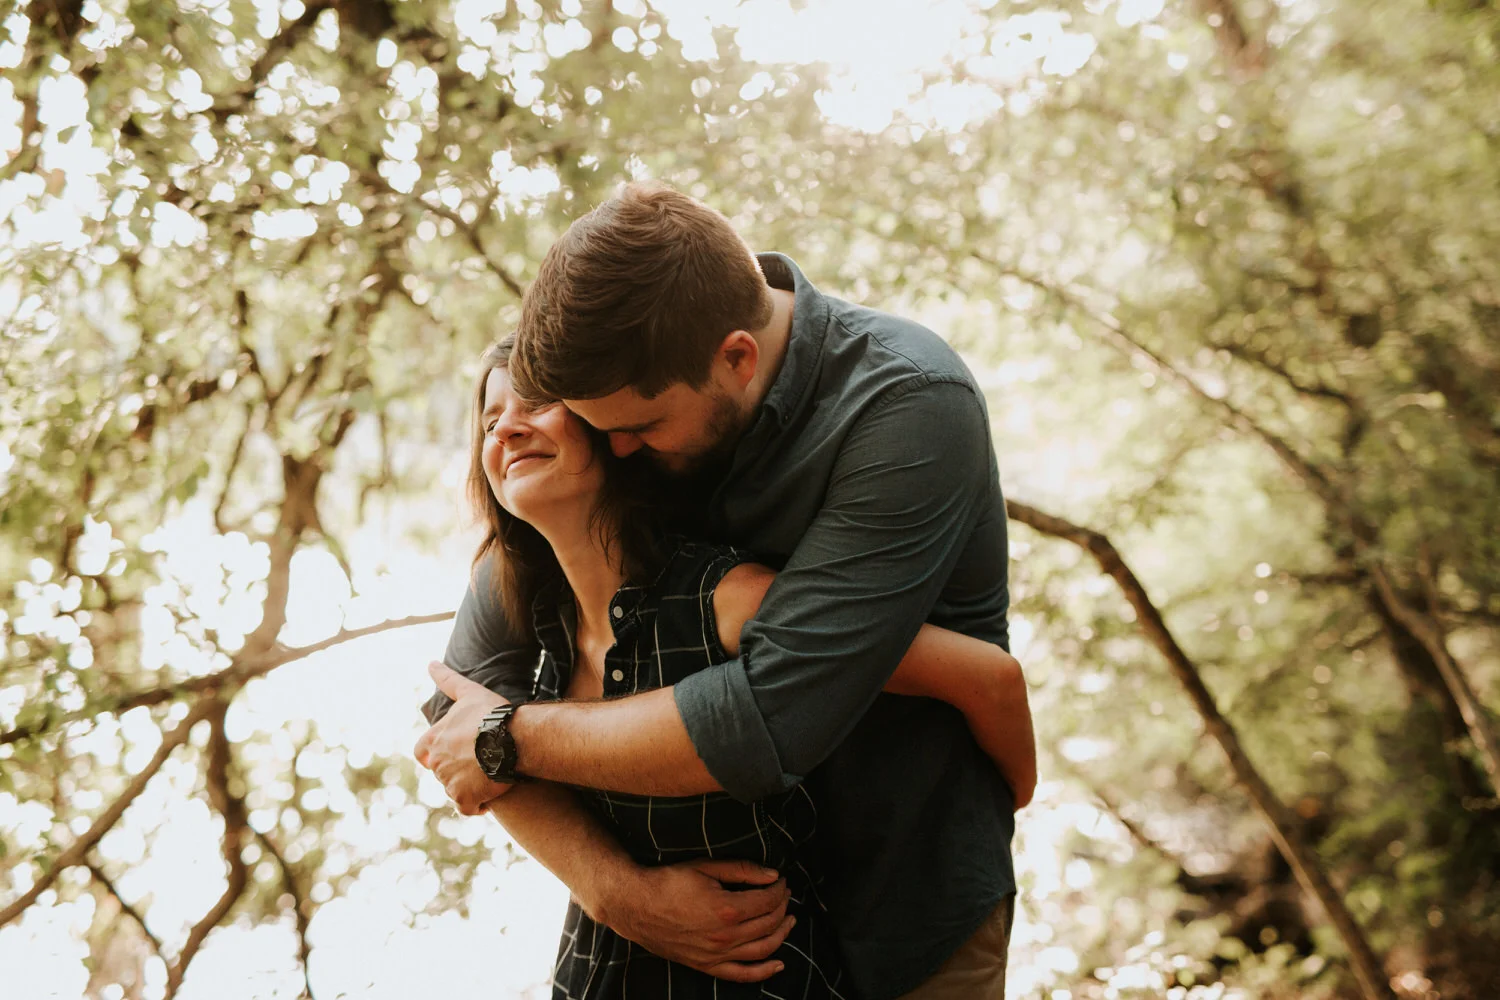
977,970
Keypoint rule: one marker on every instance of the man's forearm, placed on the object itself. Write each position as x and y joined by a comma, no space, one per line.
637,745
551,825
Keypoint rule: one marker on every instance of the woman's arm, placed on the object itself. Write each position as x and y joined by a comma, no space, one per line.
978,678
985,683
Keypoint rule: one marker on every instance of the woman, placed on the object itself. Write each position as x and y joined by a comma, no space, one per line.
618,605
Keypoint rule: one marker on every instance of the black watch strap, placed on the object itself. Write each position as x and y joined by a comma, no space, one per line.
495,747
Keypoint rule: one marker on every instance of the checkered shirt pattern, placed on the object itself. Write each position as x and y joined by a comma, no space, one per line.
663,632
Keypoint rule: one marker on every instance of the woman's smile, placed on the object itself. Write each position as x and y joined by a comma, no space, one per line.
525,461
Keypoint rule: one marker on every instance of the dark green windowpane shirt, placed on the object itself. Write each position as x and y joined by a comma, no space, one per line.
868,478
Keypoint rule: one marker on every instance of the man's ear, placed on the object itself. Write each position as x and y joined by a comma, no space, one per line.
740,353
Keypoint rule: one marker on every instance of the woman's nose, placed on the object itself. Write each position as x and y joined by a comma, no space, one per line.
512,423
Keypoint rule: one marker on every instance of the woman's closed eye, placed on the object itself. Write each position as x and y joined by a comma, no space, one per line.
492,421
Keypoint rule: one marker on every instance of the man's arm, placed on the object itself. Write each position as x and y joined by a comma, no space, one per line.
979,678
905,494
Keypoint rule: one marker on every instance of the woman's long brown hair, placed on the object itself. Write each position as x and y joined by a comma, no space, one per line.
632,511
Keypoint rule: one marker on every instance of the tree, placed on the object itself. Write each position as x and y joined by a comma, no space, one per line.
1227,265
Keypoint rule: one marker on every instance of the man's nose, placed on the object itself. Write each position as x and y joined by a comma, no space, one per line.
624,444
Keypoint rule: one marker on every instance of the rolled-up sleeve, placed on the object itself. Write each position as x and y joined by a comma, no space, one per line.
483,648
905,493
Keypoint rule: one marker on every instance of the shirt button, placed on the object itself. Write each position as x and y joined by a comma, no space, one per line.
618,675
618,612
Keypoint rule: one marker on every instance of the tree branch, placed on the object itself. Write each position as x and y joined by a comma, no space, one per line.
1300,384
1124,340
471,233
289,882
298,513
386,475
126,908
1426,630
78,851
1340,576
236,827
1282,825
59,22
276,50
231,677
1113,808
1245,54
234,464
1483,616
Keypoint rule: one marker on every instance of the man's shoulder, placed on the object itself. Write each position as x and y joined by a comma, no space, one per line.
880,351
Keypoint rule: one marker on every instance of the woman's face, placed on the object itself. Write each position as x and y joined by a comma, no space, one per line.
535,460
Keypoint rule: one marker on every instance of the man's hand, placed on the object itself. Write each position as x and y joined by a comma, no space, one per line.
684,913
447,749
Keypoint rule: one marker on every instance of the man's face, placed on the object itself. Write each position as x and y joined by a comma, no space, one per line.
682,429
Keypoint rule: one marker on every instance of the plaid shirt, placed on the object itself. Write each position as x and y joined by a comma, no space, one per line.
664,632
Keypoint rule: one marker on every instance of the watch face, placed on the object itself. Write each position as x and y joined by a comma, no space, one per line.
492,749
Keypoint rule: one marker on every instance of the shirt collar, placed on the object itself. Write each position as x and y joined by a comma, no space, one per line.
552,619
625,608
810,316
554,613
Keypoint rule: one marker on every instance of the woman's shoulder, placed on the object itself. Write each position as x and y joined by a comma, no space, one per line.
692,564
721,584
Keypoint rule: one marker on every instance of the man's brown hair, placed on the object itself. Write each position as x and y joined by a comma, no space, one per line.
639,293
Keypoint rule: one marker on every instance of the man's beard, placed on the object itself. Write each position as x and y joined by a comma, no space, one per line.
702,472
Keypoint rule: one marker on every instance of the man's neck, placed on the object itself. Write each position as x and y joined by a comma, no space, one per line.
772,339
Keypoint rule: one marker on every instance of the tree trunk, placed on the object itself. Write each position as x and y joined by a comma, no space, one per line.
1373,982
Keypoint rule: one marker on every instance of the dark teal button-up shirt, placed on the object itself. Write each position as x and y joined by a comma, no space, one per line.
868,479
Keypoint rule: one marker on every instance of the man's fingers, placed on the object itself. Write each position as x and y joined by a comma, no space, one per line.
739,972
737,872
762,948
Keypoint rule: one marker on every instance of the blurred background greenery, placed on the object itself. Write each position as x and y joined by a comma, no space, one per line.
1227,268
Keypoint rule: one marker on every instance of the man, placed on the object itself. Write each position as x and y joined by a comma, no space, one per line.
848,446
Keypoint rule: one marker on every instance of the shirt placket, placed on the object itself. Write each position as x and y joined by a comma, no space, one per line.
619,661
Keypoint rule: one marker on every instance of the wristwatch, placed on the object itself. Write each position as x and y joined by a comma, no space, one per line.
495,747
